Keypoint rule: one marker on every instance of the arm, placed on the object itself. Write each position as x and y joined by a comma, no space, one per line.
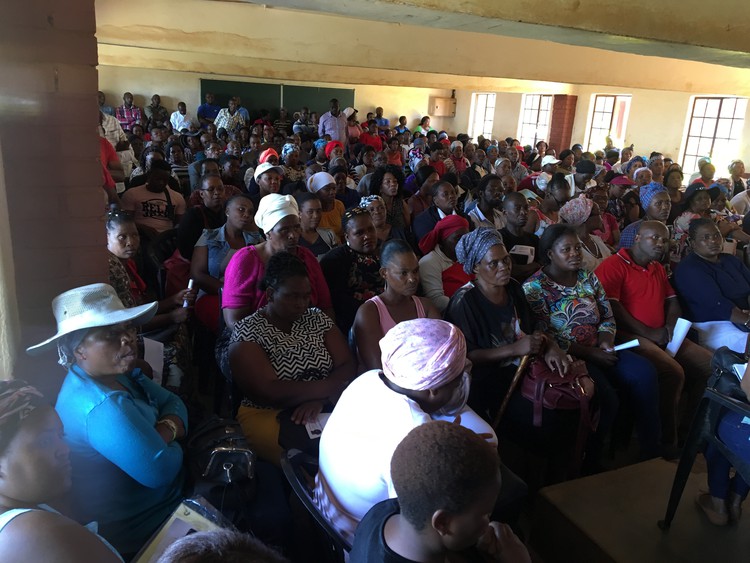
256,378
672,312
199,271
63,540
407,215
118,431
528,344
630,324
367,334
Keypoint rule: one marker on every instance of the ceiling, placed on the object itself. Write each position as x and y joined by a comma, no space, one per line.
716,32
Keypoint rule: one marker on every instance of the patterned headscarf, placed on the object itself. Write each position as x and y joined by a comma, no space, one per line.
319,144
17,401
576,210
368,199
287,149
474,245
423,354
648,192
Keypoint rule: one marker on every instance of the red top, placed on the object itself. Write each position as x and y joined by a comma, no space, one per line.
455,277
642,291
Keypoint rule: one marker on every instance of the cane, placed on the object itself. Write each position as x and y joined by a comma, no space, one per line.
513,384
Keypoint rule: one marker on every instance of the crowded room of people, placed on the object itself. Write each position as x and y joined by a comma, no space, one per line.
335,282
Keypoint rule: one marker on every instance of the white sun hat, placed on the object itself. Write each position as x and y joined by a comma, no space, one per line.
91,306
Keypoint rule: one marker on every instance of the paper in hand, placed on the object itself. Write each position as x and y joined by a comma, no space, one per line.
629,344
681,329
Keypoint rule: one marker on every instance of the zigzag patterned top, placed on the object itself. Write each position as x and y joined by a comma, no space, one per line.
297,356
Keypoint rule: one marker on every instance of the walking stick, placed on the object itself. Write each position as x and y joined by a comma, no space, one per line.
513,384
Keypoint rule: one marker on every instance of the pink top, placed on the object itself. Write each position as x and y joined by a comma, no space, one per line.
246,270
386,320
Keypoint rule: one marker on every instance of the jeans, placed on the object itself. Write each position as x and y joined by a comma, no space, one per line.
687,371
736,436
634,378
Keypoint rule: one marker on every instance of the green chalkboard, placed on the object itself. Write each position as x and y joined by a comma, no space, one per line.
317,99
256,96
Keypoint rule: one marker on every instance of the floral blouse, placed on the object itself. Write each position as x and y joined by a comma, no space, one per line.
572,314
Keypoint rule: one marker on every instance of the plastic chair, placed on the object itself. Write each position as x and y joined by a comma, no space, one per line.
299,469
703,432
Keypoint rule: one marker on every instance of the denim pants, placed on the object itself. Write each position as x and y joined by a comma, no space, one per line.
736,436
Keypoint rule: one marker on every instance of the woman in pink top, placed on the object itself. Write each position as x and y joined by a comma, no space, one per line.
397,303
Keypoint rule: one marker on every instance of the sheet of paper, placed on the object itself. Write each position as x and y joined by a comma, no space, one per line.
315,429
681,329
739,370
153,353
629,344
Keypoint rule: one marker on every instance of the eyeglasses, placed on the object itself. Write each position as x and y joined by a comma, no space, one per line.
213,189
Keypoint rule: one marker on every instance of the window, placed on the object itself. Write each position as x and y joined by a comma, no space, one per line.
482,115
714,130
535,117
608,119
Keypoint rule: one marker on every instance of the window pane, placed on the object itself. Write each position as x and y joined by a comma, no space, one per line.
709,127
712,108
695,126
724,129
704,146
727,107
741,108
700,107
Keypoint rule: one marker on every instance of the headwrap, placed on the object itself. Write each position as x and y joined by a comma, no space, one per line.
266,154
332,145
640,169
442,135
415,157
577,210
319,144
721,187
649,191
318,181
273,208
703,162
288,148
368,199
474,245
17,400
423,354
455,144
418,141
442,230
628,166
499,161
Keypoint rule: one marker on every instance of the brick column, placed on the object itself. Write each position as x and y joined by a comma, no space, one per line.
561,124
50,154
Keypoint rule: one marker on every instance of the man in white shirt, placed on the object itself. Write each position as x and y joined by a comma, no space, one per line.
423,379
181,119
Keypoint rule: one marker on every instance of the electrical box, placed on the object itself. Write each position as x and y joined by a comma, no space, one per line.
443,107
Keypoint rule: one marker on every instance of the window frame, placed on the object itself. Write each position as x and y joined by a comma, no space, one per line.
473,133
522,123
592,117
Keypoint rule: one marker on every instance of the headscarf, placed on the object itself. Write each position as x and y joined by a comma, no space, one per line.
472,247
318,181
577,210
288,148
266,154
456,144
721,187
368,199
442,135
319,143
273,208
17,401
423,354
649,191
415,157
442,230
499,161
332,145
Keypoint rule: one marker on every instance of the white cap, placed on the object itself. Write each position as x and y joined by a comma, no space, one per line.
549,159
265,167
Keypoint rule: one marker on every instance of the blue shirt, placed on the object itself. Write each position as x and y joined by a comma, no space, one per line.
710,291
218,248
124,475
208,111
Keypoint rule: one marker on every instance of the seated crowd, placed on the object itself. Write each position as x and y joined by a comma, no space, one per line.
397,279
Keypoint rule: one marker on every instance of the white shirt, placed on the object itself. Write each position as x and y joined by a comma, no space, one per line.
479,220
357,444
431,268
111,130
741,203
180,121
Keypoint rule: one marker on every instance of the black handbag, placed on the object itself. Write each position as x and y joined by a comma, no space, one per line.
222,466
723,378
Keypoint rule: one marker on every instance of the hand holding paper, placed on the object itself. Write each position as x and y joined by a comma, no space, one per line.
681,329
629,344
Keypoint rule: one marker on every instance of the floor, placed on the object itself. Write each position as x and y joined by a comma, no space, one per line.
613,516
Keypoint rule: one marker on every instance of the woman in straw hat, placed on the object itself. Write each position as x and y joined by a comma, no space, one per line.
121,427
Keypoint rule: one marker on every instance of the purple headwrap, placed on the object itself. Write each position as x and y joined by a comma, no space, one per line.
423,354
